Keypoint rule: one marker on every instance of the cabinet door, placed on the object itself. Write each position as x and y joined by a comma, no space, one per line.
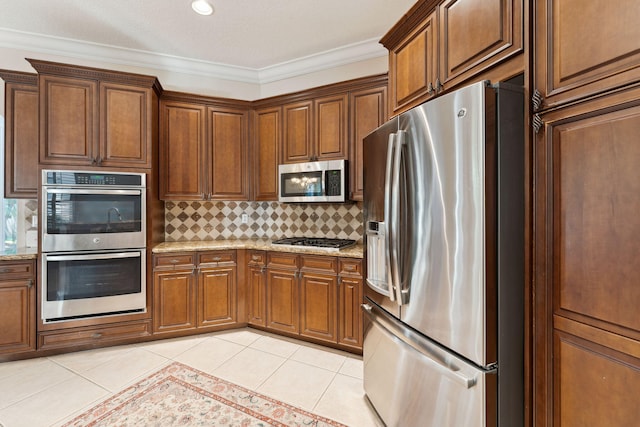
68,120
331,127
22,136
217,296
476,35
297,143
125,126
257,288
282,300
413,65
174,301
583,50
228,143
318,306
17,315
349,311
368,111
182,151
588,328
266,152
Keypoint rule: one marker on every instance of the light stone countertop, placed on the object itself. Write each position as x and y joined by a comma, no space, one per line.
356,251
19,254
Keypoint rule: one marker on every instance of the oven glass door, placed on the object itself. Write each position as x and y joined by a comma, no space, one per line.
297,184
93,219
76,211
89,284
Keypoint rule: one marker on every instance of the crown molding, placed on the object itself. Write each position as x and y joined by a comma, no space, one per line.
39,43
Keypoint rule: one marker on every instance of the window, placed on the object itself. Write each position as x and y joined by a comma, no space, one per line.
8,207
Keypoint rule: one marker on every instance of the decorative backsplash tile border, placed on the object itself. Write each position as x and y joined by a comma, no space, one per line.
186,221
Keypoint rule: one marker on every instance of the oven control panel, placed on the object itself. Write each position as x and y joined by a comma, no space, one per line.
78,178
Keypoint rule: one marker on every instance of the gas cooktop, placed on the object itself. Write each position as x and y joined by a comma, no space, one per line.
331,245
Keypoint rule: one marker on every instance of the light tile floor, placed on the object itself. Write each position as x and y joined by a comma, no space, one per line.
51,390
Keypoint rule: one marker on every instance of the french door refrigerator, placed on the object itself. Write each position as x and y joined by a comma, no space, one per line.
444,219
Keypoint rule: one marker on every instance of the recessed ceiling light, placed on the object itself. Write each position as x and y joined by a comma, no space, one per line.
202,7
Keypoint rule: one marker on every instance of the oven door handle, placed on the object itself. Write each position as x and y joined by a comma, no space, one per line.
86,191
74,257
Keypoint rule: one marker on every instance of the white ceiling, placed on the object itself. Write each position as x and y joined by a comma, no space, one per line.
241,35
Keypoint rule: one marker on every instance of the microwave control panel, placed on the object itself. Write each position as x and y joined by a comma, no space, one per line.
334,183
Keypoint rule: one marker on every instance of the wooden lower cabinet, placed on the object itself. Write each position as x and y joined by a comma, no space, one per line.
17,307
257,288
194,291
94,336
318,297
350,294
174,300
314,297
282,293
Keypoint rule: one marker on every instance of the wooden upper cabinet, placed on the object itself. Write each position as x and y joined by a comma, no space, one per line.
433,49
413,65
21,134
203,150
228,146
96,117
69,120
182,151
331,127
125,125
298,137
368,110
575,58
267,139
475,35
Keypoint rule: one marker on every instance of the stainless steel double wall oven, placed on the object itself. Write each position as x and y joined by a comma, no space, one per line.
93,244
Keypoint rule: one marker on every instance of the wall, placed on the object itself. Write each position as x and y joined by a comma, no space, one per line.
223,220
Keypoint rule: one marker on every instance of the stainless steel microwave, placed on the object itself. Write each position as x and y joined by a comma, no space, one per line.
323,181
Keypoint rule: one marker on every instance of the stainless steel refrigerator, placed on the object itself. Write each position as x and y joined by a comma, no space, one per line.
444,219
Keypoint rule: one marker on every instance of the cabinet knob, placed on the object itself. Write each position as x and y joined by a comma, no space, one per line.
263,269
255,257
30,283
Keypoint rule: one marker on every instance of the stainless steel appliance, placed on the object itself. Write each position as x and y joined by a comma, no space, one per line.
87,210
322,181
87,283
329,245
93,244
444,219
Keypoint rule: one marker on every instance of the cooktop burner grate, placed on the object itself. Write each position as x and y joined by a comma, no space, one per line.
315,242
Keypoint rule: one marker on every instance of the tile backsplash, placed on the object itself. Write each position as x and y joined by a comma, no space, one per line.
223,220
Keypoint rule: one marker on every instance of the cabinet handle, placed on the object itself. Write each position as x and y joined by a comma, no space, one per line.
30,283
216,258
339,280
5,270
255,257
263,269
94,161
174,261
96,335
431,89
439,86
99,161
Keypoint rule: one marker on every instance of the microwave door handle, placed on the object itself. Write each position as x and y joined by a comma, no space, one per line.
87,191
387,213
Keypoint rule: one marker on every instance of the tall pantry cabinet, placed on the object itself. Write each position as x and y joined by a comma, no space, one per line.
586,106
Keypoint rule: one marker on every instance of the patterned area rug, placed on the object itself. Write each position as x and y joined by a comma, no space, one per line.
179,395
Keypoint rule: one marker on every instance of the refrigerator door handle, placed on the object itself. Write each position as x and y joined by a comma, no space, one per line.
395,215
427,350
388,213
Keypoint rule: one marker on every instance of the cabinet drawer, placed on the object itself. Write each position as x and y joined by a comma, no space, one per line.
94,335
257,258
173,261
216,258
279,259
17,269
323,263
350,267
